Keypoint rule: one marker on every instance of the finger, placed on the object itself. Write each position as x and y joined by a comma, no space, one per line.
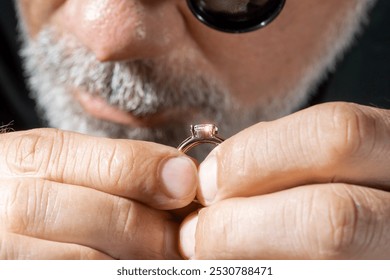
335,142
116,226
314,222
19,247
154,174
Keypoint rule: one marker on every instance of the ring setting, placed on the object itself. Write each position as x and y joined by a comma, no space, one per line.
201,134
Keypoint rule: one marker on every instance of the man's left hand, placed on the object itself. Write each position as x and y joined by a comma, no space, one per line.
312,185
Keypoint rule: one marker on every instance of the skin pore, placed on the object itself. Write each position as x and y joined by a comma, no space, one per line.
265,74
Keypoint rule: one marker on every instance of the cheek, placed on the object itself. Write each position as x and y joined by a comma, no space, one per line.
36,13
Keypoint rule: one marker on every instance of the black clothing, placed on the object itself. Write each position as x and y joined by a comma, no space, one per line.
362,76
15,105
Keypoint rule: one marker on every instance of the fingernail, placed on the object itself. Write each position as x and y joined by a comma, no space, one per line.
208,179
187,237
179,177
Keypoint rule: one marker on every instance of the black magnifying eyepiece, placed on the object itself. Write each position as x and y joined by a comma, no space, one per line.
236,16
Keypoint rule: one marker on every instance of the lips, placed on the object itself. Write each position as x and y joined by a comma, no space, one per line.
98,108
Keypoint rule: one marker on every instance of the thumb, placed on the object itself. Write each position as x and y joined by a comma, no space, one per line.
322,144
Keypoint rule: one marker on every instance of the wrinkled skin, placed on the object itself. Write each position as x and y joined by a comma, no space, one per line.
311,185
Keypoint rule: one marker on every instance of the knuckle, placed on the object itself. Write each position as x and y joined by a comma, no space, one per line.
136,230
333,223
142,170
33,152
12,247
24,207
243,151
14,207
342,129
110,164
248,156
121,166
7,247
124,219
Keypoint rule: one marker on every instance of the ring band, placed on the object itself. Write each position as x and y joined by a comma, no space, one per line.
201,134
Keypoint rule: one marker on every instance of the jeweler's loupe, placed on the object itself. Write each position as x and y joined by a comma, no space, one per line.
236,16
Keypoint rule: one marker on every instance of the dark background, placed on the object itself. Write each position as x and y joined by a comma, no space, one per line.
362,76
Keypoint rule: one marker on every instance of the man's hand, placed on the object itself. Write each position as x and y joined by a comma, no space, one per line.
314,184
69,196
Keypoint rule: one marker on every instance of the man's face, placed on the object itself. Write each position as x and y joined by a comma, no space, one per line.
147,68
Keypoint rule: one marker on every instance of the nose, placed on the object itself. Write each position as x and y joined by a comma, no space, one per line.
124,29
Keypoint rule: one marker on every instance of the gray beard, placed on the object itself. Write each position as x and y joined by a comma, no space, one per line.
56,64
141,88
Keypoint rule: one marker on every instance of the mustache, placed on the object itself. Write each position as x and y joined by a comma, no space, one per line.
140,87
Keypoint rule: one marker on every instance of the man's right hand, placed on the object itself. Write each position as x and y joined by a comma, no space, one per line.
65,195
